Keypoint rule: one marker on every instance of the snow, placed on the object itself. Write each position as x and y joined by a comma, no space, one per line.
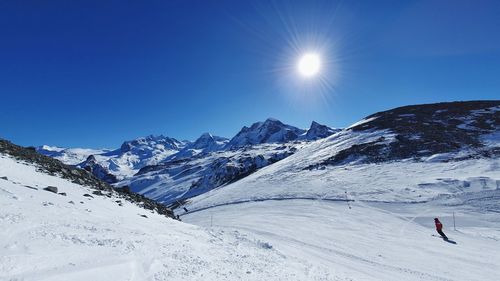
176,180
362,243
269,131
491,140
125,161
363,121
387,232
70,156
44,237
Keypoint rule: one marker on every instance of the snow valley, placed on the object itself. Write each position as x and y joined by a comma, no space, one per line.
274,202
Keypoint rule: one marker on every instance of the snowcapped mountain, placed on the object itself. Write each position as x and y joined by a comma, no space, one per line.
179,178
360,202
447,151
356,205
318,131
211,162
152,146
124,162
55,228
204,144
269,131
70,156
168,170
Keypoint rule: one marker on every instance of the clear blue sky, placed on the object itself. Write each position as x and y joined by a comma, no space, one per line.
96,73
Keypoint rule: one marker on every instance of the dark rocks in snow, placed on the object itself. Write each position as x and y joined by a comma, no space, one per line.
52,189
62,193
144,216
100,172
71,202
50,165
145,202
4,178
88,195
97,192
424,130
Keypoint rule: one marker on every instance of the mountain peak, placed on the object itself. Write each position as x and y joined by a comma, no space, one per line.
269,131
151,141
318,131
272,120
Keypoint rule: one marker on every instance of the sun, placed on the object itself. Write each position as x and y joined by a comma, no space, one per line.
309,65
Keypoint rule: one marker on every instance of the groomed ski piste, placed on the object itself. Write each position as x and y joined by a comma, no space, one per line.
255,229
367,221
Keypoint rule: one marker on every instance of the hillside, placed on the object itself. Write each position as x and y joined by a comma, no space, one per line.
378,160
360,204
356,205
75,234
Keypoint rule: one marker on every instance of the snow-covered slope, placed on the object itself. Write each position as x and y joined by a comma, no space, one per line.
167,170
206,143
211,161
177,179
69,156
358,206
386,158
318,131
366,242
49,236
114,165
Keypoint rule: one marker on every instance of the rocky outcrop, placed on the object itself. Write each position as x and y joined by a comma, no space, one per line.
91,165
419,131
318,131
54,167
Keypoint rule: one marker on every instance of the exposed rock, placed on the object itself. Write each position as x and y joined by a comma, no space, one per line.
88,195
52,166
318,131
63,193
92,166
52,189
4,178
97,192
420,131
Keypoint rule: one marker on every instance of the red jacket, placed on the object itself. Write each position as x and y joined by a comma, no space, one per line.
439,225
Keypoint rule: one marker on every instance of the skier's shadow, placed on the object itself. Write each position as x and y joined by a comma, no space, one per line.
446,240
450,241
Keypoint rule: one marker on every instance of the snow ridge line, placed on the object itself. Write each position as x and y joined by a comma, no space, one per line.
267,199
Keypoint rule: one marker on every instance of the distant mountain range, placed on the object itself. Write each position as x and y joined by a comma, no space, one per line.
170,171
167,170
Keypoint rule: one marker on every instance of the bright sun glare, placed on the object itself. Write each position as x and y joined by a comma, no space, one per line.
309,65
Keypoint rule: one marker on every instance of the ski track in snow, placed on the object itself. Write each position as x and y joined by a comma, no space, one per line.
363,243
257,233
44,237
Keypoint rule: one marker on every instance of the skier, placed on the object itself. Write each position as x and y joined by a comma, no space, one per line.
439,228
